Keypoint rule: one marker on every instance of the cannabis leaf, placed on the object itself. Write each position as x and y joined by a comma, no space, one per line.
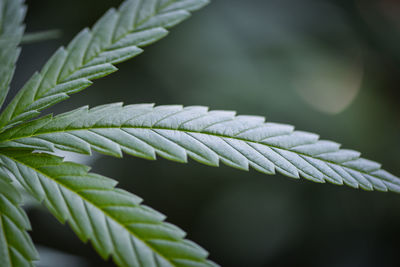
116,37
174,133
16,247
112,219
12,13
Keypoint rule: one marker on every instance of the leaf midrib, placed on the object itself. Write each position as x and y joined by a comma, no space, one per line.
205,133
155,251
114,41
26,109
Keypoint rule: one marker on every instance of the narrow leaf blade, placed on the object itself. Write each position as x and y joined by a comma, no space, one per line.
115,221
210,137
116,37
11,32
16,247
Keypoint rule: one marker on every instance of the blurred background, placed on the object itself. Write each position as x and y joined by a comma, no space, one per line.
326,66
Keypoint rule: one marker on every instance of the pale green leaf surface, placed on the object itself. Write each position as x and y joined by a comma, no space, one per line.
112,219
209,137
116,37
16,247
12,13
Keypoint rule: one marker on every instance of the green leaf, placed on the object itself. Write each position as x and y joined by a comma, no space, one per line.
12,13
116,37
112,219
206,136
16,247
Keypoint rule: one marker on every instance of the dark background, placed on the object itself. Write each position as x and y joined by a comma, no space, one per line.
327,66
